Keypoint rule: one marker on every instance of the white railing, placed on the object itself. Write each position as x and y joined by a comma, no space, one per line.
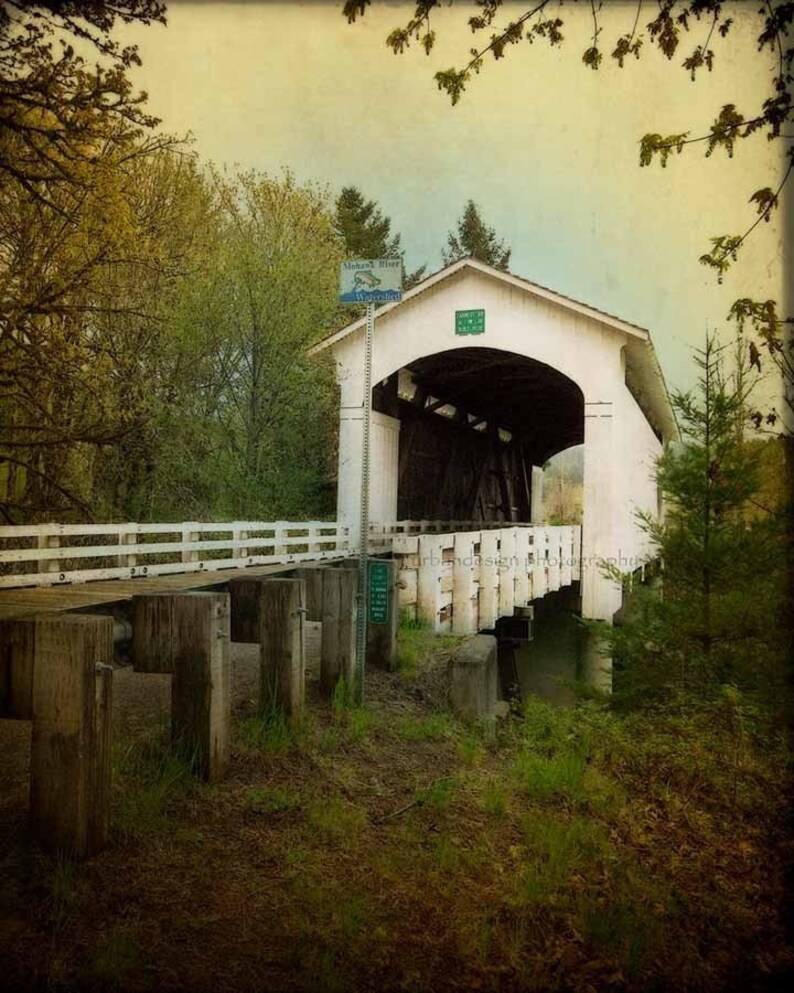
51,554
461,581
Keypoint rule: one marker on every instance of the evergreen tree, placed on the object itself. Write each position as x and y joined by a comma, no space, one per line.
474,238
367,233
714,622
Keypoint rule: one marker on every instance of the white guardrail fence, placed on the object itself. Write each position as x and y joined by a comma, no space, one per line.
51,554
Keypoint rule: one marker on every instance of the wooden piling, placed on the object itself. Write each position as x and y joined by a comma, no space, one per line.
152,619
338,650
313,577
282,678
16,669
383,614
70,754
201,688
244,593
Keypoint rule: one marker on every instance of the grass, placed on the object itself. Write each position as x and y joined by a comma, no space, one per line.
156,777
273,800
434,727
390,847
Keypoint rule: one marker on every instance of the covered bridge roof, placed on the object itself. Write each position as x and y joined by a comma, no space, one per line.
644,376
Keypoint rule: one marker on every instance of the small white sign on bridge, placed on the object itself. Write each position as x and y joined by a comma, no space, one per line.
371,281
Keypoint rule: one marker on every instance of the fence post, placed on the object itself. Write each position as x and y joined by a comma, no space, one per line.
127,559
188,537
522,567
282,667
488,609
49,541
70,751
428,580
540,586
554,545
507,571
464,619
239,535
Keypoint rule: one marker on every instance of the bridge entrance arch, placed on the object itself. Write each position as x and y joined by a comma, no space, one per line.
474,424
480,377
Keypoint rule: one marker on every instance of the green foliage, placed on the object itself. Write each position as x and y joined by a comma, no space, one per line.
714,622
475,239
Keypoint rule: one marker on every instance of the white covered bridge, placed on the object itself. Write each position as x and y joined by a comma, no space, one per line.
480,377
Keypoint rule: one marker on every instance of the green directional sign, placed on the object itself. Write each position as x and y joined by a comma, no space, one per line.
469,322
378,593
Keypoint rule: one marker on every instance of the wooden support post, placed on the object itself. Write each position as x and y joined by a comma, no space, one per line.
522,567
17,643
152,618
313,577
428,593
201,688
70,752
338,648
383,614
507,571
489,580
464,607
282,665
244,594
540,586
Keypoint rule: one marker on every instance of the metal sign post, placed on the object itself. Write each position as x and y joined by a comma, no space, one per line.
363,543
369,282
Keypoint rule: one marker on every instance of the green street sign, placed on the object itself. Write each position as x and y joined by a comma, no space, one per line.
378,593
469,322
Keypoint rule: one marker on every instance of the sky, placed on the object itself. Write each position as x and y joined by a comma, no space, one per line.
547,148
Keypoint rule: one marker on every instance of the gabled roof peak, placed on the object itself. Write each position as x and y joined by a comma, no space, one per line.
609,320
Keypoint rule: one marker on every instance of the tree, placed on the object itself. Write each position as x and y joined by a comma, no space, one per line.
70,137
475,239
58,114
86,291
367,233
721,559
260,415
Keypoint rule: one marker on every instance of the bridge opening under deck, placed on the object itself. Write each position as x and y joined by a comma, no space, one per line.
473,424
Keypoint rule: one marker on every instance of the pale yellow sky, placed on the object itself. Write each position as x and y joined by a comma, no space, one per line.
546,147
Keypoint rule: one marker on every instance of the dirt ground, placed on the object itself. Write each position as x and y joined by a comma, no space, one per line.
390,848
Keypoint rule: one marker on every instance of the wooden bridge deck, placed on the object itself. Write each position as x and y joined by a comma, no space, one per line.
25,601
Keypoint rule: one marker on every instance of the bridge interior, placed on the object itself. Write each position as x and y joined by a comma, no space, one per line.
474,421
